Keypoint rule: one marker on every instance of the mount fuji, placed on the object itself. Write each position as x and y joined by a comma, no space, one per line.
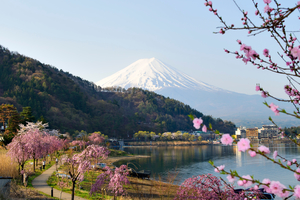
154,75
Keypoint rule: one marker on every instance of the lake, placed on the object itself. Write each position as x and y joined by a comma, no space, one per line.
182,162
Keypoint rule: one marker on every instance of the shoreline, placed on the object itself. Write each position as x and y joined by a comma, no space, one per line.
166,143
112,160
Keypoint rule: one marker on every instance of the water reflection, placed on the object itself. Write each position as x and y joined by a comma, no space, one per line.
188,161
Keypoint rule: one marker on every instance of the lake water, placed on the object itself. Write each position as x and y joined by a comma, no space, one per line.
183,162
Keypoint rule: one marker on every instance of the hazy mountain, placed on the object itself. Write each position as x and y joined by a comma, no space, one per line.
154,75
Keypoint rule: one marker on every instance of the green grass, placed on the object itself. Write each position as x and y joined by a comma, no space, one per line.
117,153
85,184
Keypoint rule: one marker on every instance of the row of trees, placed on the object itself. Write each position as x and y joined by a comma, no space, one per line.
33,142
146,135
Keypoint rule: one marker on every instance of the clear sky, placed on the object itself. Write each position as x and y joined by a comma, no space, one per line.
96,38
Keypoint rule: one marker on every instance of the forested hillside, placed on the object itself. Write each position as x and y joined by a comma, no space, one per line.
69,103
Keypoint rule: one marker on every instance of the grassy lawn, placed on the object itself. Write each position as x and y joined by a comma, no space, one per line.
117,153
137,189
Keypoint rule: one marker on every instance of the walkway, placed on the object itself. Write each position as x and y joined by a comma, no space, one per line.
40,183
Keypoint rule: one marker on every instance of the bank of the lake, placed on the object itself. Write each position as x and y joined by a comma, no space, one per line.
167,143
203,142
111,160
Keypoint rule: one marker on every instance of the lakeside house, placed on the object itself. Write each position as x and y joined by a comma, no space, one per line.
240,132
252,133
209,135
267,131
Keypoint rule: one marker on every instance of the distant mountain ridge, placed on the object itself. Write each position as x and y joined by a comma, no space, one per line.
154,75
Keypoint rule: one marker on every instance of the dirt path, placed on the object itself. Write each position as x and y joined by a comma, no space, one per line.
40,183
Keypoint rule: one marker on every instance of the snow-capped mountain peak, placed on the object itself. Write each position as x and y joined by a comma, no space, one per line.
152,74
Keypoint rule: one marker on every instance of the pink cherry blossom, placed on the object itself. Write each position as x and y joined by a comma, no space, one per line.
116,179
273,107
231,179
257,88
242,47
267,1
240,183
284,194
206,186
266,181
226,139
276,187
252,153
243,144
297,191
294,160
255,187
267,9
296,52
96,138
197,122
264,94
204,128
264,149
275,154
296,175
219,168
256,12
253,54
266,52
246,182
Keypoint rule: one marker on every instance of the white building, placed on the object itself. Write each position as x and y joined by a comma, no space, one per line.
268,131
240,132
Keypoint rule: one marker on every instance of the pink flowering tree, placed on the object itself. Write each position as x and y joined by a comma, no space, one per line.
116,179
78,164
18,151
96,138
79,143
62,184
272,19
208,186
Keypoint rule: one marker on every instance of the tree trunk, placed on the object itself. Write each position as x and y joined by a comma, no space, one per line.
73,189
34,165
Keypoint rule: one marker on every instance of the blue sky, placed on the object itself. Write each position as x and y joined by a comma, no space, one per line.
96,38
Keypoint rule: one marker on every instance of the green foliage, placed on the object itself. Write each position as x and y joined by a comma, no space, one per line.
292,132
26,115
7,138
70,103
116,153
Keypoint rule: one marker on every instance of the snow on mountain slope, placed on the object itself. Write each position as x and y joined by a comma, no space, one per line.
152,74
